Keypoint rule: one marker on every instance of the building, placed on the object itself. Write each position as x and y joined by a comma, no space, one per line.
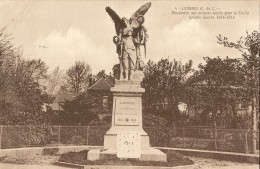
60,100
102,98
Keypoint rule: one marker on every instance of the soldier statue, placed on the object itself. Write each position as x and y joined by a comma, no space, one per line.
131,38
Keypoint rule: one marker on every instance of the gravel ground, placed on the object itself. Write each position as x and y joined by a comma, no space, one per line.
27,166
45,162
205,163
35,162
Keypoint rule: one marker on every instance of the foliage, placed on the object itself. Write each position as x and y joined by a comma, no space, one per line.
249,46
151,120
164,83
95,105
106,121
28,75
96,135
38,135
20,90
77,140
73,135
76,112
158,128
101,74
74,156
94,78
77,77
22,136
55,81
217,84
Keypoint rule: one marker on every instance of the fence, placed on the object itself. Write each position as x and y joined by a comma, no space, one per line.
228,140
208,121
185,137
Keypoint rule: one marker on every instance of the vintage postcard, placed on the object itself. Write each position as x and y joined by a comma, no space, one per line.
129,84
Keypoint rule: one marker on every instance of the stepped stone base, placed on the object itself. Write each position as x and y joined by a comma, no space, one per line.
153,154
93,155
150,154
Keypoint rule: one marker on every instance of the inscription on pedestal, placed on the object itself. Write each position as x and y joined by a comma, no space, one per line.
126,111
128,144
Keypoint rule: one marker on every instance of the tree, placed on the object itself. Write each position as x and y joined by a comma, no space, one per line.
249,46
77,77
78,111
164,82
26,108
28,75
101,74
55,81
215,85
8,57
20,90
96,77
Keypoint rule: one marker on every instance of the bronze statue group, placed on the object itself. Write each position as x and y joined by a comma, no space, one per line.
130,41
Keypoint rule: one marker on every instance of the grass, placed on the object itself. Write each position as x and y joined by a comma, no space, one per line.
173,159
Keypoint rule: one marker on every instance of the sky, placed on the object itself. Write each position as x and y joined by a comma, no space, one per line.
64,31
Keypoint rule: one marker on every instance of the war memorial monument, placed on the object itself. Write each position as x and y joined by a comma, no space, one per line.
126,144
126,137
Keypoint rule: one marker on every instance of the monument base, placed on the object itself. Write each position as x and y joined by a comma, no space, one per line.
150,154
110,140
126,134
147,153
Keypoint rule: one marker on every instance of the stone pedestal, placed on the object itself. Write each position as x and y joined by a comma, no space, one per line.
127,117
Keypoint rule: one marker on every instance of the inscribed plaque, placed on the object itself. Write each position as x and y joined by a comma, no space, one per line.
128,144
126,111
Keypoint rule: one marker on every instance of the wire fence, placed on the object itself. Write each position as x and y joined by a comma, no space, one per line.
228,140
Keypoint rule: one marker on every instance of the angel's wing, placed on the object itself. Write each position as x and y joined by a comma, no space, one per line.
140,12
117,20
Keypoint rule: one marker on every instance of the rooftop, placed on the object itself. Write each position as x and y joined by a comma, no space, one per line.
103,84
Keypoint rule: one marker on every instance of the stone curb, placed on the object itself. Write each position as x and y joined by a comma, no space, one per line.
78,166
220,155
239,157
31,151
71,165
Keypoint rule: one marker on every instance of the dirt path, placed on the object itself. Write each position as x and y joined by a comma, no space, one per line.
45,162
26,166
205,163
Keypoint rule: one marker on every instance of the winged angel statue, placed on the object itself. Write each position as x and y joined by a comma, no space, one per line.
130,41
